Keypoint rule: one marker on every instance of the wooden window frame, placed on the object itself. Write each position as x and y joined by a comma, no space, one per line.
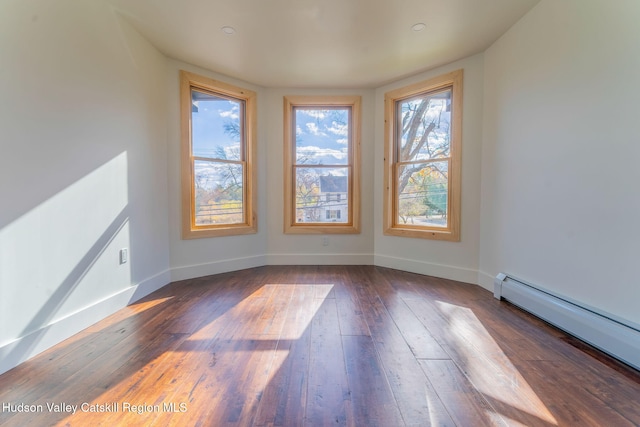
352,226
391,226
190,230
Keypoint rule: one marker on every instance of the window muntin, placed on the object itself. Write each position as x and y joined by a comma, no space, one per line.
422,159
321,164
218,145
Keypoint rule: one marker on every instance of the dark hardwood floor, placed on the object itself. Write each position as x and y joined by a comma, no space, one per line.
320,346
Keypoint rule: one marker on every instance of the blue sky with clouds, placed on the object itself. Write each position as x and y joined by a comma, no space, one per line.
322,136
208,127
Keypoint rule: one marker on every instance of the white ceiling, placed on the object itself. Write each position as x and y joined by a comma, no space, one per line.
321,43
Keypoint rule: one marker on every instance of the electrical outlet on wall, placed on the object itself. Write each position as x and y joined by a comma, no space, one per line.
325,241
124,255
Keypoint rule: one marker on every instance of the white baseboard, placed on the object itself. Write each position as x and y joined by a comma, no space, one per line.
451,272
28,346
485,280
24,348
150,285
319,259
618,337
216,267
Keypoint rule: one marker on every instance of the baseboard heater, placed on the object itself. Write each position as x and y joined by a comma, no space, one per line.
603,331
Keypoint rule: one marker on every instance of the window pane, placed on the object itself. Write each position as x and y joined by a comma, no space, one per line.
422,193
321,194
215,126
322,136
424,128
219,193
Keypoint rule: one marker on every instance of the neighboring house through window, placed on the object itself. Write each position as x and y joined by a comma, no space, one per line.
322,155
335,190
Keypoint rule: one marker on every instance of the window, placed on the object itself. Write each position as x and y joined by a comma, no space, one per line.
321,158
218,154
423,124
333,214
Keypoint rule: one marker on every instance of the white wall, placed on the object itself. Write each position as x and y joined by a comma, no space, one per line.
561,147
82,170
309,249
90,163
202,257
453,260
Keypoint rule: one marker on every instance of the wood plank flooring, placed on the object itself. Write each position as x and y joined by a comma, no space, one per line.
321,346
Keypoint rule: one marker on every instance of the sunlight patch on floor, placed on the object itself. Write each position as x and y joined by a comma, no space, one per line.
318,293
228,342
487,367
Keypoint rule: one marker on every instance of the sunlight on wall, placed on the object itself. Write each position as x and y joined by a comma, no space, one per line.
63,254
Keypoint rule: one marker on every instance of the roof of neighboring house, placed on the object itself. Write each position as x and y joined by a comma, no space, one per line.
333,184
